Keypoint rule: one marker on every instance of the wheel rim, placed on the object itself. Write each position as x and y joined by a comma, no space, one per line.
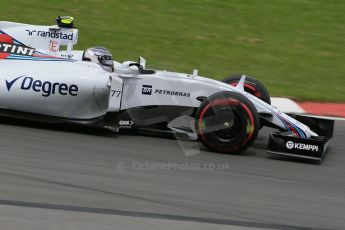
229,134
236,135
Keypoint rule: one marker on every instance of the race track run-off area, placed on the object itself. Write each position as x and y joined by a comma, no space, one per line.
55,178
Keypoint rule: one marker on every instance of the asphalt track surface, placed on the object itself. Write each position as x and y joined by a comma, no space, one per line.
72,178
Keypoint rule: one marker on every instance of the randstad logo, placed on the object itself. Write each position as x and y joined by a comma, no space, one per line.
45,87
50,34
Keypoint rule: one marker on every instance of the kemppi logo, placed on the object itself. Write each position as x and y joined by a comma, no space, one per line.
289,144
301,146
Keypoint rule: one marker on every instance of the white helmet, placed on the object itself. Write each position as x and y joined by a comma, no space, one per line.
101,56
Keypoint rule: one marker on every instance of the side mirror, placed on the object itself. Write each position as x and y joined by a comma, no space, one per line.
142,62
195,72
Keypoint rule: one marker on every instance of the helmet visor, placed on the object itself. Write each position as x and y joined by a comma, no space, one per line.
107,62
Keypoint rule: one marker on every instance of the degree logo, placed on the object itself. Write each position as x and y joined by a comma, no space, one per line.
10,83
46,88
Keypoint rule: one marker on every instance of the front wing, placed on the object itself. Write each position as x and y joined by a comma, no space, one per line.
314,148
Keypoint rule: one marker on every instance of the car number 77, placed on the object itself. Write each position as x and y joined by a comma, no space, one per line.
115,93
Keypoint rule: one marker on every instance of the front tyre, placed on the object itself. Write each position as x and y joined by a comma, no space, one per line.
227,122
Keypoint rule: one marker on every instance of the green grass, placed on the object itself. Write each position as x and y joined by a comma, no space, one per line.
295,47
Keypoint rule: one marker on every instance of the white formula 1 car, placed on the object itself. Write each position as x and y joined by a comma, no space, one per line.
40,81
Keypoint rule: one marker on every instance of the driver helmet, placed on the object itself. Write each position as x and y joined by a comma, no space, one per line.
101,56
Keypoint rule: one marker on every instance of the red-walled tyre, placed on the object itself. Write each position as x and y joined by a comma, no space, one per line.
227,122
252,86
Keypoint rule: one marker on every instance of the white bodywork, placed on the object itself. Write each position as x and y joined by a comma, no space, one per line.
195,85
54,89
92,92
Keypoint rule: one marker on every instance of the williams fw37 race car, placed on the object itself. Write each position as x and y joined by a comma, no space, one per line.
42,78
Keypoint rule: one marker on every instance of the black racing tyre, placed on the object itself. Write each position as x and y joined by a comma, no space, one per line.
227,122
252,86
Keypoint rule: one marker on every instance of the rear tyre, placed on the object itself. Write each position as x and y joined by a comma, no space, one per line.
252,86
227,122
